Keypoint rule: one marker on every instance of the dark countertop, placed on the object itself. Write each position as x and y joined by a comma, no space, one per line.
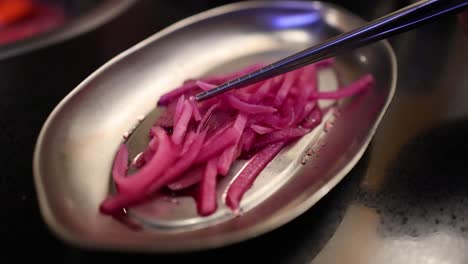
405,201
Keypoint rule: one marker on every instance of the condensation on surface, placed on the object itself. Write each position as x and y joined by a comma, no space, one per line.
356,241
418,211
424,190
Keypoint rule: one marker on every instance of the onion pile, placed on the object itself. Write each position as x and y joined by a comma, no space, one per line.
194,144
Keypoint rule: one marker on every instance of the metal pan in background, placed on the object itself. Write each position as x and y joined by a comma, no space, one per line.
79,17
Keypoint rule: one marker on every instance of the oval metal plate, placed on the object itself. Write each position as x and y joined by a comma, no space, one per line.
77,144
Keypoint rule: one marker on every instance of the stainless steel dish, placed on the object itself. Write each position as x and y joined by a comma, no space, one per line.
77,144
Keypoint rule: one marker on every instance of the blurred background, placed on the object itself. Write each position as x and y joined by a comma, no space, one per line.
405,202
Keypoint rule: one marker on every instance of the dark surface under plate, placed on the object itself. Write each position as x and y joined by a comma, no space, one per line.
405,201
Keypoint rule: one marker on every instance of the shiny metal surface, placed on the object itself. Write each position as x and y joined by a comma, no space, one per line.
399,21
77,144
